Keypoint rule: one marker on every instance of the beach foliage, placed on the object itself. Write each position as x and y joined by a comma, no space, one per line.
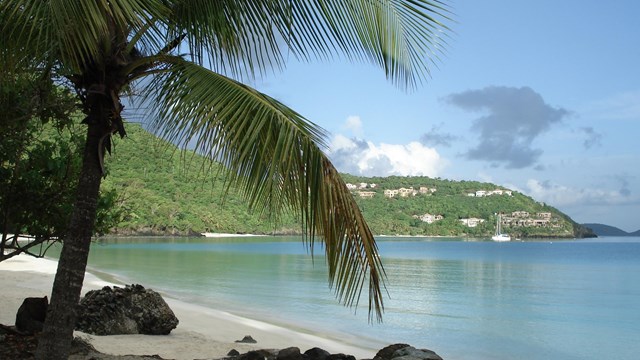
186,61
39,162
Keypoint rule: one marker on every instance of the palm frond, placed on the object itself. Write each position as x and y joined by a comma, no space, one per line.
273,156
74,33
232,37
404,37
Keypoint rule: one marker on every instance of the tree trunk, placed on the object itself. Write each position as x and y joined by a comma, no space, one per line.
55,341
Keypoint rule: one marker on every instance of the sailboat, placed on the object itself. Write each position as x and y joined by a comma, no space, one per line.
499,236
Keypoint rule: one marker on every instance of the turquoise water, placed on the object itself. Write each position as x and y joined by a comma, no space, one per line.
462,299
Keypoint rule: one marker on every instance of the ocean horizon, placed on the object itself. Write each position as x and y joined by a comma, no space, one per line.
463,298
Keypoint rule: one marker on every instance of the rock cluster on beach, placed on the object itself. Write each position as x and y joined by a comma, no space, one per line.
129,310
20,342
22,347
405,352
136,310
391,352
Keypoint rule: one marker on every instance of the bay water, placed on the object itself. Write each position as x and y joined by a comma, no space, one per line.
464,299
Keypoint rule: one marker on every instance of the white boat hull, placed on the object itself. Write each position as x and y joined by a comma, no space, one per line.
501,237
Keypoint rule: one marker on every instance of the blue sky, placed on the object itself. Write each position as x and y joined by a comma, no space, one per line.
541,97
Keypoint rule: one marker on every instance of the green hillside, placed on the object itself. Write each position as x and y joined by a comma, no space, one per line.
164,191
167,192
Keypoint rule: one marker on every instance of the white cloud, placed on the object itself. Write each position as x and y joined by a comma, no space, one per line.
561,195
357,156
341,142
354,124
361,157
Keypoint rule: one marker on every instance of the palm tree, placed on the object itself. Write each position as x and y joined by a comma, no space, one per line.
184,57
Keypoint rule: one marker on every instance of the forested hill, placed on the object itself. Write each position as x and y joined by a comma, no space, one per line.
164,191
607,230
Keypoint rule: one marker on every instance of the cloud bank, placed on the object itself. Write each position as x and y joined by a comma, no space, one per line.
360,157
354,125
512,119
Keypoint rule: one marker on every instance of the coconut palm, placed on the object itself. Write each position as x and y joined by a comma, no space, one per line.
186,60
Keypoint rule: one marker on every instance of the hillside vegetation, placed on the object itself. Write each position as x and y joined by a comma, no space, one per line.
165,191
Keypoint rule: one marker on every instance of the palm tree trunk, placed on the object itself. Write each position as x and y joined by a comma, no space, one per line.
55,341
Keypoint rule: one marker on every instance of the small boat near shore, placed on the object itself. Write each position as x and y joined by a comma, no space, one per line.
499,236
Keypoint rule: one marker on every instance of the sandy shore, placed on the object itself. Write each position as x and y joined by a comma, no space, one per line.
202,332
226,235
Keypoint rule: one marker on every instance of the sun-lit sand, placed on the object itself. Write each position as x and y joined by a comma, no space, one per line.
226,235
202,332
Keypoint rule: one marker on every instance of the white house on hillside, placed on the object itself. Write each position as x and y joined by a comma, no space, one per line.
366,194
390,193
471,222
404,192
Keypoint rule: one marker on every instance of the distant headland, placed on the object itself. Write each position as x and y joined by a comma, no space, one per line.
608,230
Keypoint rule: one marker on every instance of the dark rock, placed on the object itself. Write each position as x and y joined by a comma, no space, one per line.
80,346
233,352
386,353
247,339
290,353
411,353
129,310
317,353
341,357
258,355
31,314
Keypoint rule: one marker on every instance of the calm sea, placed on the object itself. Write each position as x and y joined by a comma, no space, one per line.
463,299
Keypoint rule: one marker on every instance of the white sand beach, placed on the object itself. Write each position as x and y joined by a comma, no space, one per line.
202,332
227,235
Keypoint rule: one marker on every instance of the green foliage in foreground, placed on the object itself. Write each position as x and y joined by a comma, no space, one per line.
39,163
164,191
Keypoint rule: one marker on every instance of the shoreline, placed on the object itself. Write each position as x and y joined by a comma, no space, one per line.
225,235
202,332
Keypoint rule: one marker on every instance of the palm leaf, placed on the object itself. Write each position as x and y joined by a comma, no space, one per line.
272,155
74,33
249,37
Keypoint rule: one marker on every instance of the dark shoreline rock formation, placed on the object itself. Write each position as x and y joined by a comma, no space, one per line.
129,310
31,315
19,346
405,352
391,352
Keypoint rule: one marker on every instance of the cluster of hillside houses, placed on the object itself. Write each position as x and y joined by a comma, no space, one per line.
361,190
482,193
390,193
517,219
